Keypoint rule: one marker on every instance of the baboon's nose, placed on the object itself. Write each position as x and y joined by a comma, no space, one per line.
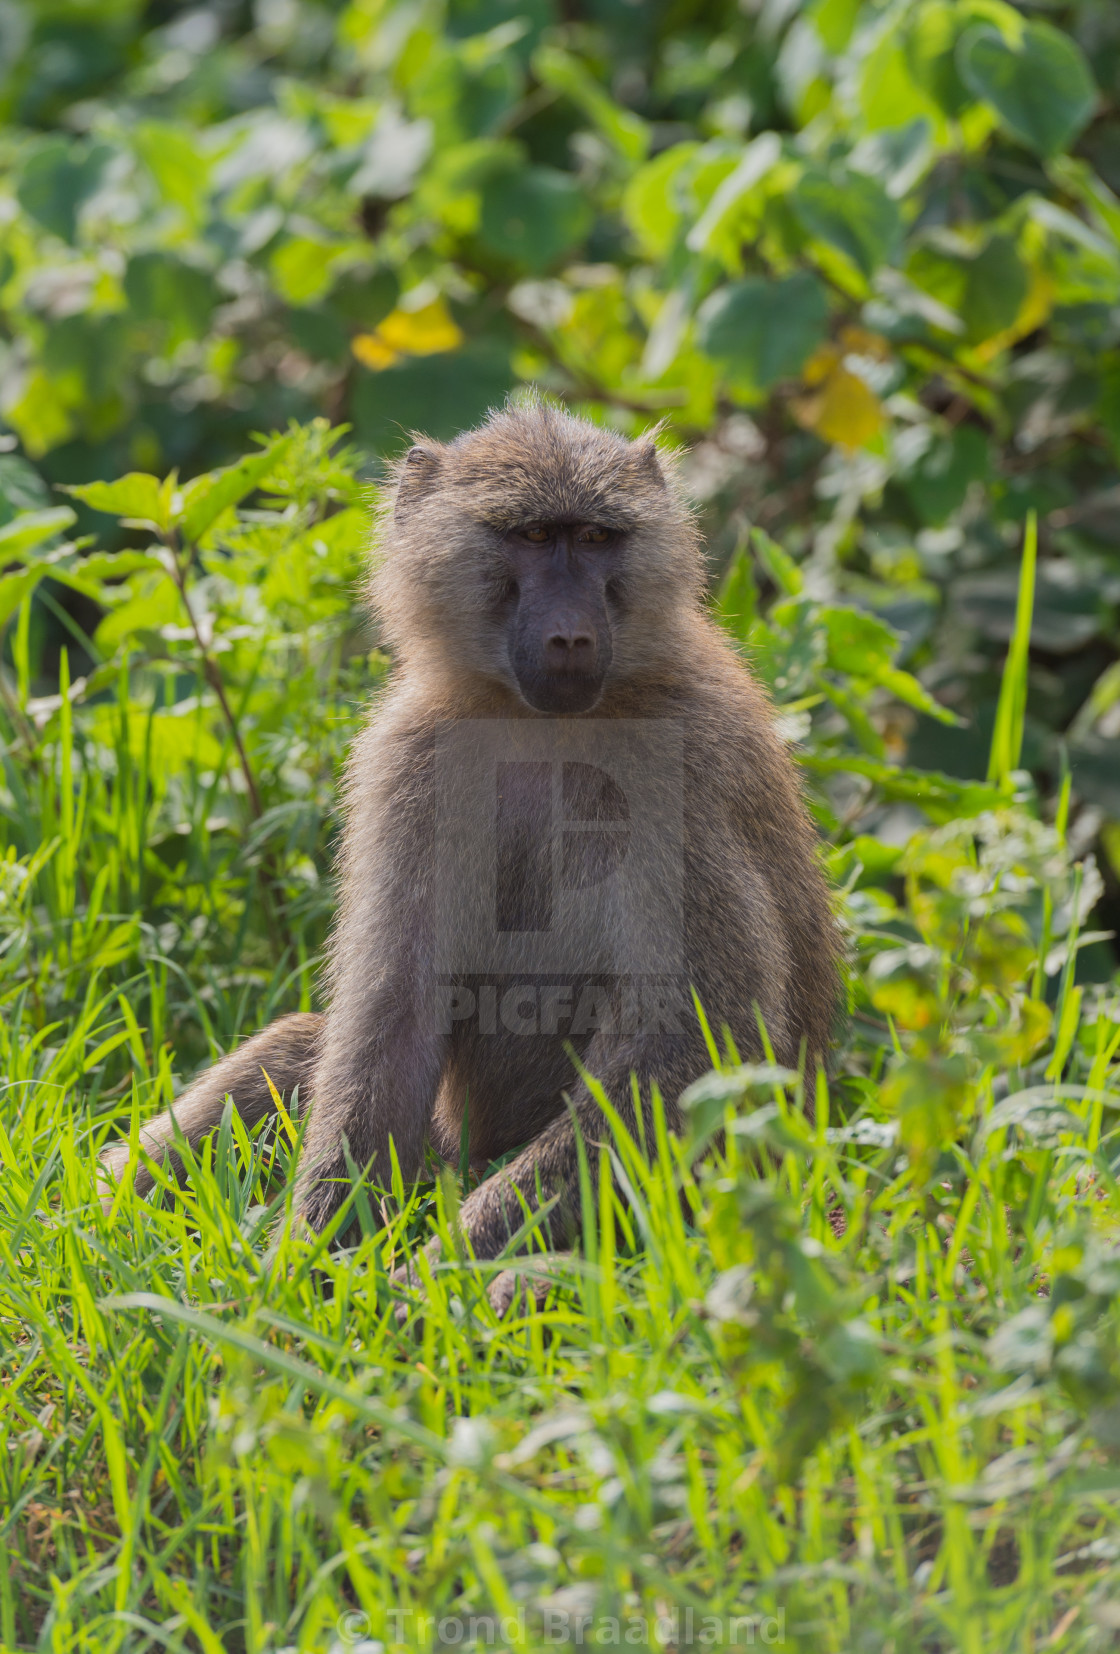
568,646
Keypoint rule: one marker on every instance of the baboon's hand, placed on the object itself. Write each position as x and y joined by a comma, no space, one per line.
519,1290
112,1164
407,1278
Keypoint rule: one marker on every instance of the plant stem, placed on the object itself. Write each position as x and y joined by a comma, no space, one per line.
214,679
212,673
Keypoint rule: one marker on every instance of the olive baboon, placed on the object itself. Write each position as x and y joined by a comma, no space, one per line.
540,571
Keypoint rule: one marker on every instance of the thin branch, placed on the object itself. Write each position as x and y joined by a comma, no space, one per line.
214,679
273,905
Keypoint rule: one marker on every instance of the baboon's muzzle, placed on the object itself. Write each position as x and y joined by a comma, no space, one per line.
559,635
561,654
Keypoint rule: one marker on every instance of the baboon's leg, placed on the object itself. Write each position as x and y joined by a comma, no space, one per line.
286,1050
375,1087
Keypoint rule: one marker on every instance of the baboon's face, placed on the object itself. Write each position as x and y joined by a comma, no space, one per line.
541,553
559,611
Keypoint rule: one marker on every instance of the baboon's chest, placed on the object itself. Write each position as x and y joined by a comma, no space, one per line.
559,828
559,850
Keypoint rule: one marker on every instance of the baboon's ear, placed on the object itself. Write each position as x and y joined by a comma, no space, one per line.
417,474
646,461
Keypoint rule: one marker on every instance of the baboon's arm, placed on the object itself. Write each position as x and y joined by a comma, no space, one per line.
383,1045
285,1050
376,1081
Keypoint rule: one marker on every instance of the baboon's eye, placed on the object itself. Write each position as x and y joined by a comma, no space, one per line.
536,532
594,536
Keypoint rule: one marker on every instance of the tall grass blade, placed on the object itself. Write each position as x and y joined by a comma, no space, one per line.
1007,735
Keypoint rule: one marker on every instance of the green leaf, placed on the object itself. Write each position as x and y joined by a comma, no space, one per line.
758,159
858,643
163,289
627,132
149,604
878,860
179,163
929,1095
906,688
534,216
789,653
364,297
1041,88
56,179
737,599
777,562
765,330
303,268
207,497
21,487
888,94
136,496
835,20
942,476
1007,735
30,529
942,797
651,204
853,213
851,708
1025,1343
850,1351
38,415
15,587
930,40
995,287
440,395
112,565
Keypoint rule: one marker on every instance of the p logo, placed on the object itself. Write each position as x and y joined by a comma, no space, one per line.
581,868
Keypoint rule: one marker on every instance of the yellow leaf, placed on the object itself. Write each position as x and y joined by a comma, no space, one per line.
908,1001
1110,838
421,332
842,408
823,362
1034,1024
278,1105
372,352
859,341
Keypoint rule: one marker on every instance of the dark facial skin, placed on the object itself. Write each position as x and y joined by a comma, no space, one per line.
563,592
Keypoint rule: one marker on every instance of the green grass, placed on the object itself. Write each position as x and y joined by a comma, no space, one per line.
859,1389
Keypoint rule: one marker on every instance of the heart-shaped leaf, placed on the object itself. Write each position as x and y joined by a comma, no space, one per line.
1041,88
853,213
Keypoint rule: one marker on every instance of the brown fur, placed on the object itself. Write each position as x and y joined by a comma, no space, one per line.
757,923
285,1050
